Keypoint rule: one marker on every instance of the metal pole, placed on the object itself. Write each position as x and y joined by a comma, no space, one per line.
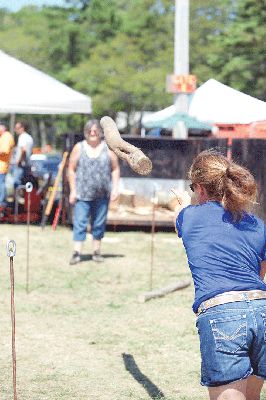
11,252
28,188
152,241
181,59
181,52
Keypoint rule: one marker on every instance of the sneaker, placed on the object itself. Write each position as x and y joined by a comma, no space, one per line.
97,257
75,259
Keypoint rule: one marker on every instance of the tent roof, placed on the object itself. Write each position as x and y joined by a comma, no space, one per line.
168,118
213,102
26,90
158,116
217,103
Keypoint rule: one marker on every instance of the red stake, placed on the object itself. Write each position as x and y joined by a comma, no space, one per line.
57,215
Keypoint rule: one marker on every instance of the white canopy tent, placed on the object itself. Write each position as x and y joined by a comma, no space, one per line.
215,102
26,90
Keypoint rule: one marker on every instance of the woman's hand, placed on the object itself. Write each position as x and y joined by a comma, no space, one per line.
263,270
183,200
114,195
72,197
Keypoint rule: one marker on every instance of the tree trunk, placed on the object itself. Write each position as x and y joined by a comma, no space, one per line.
34,132
43,133
12,122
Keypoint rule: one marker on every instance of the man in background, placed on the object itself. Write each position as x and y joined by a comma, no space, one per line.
23,153
6,146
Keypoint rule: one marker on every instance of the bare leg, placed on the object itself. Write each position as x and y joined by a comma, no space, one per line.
232,391
76,257
96,245
78,246
254,386
97,251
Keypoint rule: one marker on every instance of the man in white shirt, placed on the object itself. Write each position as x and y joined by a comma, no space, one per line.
23,153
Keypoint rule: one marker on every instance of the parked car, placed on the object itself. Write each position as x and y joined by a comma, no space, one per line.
42,165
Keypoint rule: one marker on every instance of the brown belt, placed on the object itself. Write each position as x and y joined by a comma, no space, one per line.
231,297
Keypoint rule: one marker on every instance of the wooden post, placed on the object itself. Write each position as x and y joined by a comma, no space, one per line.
152,242
163,291
54,188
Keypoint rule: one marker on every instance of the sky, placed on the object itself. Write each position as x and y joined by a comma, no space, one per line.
15,5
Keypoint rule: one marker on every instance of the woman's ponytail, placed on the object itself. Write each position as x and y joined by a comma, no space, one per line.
225,181
240,190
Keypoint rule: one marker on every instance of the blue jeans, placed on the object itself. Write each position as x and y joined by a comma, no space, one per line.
18,174
232,342
96,210
21,175
2,189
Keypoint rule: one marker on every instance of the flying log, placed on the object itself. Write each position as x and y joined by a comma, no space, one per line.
135,158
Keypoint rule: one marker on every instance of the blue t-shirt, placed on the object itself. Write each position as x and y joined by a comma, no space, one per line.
222,255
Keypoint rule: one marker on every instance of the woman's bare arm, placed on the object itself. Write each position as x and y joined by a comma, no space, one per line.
115,175
183,200
263,269
73,162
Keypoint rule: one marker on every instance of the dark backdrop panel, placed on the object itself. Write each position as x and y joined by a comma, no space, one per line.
251,153
171,158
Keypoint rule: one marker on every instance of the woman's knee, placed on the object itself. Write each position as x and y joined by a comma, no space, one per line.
232,391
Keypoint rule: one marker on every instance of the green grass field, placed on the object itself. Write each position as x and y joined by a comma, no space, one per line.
81,332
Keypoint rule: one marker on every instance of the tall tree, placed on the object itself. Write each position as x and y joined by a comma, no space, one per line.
127,72
240,60
98,20
79,4
119,52
46,39
208,20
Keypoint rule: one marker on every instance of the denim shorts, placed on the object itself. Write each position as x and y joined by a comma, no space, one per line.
232,342
95,212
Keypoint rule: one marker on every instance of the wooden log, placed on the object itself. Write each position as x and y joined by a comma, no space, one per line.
127,198
126,151
162,198
164,291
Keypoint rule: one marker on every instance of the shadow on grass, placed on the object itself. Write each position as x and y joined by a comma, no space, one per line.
88,257
153,391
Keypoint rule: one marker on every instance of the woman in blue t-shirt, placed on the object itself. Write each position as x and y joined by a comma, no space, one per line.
225,246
